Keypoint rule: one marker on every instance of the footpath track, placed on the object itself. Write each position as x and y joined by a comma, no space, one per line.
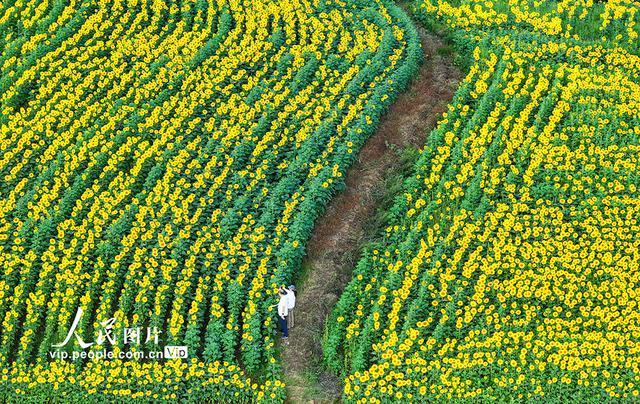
339,234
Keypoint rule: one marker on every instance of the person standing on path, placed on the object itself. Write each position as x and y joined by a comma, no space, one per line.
283,310
291,304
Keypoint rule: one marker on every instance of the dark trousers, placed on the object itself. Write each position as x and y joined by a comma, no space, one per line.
283,326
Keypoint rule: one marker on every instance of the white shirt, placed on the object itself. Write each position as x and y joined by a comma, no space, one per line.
283,308
291,299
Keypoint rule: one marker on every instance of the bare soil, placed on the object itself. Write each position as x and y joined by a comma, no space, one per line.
339,234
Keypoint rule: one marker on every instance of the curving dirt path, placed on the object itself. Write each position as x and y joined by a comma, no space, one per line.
339,234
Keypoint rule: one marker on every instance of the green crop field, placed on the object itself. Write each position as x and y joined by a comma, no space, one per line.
163,165
510,266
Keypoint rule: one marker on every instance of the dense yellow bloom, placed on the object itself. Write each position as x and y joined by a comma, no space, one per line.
512,273
162,163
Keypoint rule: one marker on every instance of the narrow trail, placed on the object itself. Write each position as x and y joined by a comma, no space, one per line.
339,234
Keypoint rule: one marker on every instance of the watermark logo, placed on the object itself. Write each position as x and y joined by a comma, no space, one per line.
107,337
176,352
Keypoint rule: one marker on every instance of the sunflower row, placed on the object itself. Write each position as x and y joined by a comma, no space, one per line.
162,166
192,381
509,267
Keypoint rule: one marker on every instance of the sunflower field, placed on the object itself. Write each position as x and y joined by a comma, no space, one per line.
162,164
509,269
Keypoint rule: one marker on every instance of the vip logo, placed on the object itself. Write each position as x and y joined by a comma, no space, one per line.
176,352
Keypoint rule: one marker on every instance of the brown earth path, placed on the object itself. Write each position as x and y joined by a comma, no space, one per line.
339,234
